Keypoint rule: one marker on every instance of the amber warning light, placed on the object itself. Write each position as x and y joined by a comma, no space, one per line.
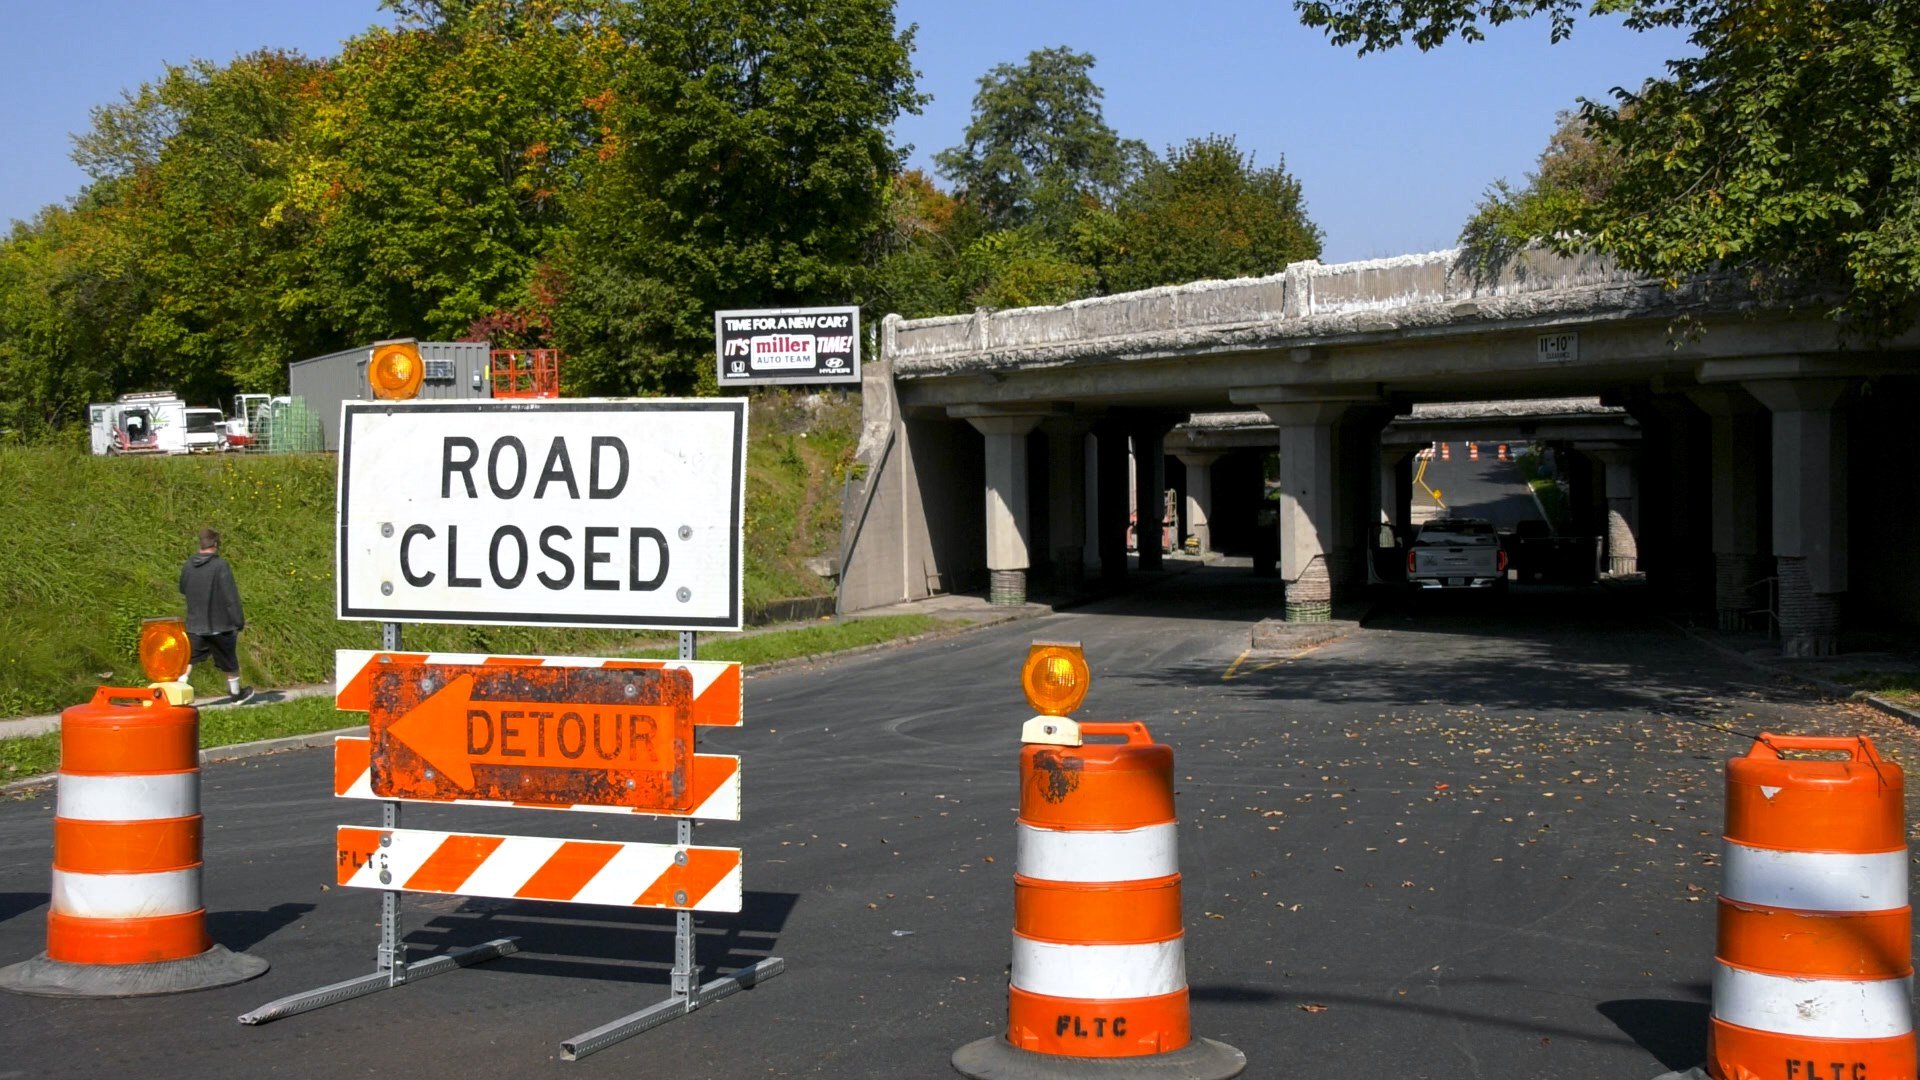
164,654
395,371
164,649
1055,678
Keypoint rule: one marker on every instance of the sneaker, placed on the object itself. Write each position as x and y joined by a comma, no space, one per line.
245,694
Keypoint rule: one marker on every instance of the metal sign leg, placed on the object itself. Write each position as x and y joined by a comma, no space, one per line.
390,967
685,994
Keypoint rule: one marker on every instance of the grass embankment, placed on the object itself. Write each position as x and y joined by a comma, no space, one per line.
35,755
96,546
1553,497
1899,687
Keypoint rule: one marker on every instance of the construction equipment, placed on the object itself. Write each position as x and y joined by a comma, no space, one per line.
526,373
251,412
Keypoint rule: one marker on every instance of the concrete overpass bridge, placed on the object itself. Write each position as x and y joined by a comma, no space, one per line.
999,444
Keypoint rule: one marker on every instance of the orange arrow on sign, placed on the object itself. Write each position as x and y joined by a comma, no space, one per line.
454,732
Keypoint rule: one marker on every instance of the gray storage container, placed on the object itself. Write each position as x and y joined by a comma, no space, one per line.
455,370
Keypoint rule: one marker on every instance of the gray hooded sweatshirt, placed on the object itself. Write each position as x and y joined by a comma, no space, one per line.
213,601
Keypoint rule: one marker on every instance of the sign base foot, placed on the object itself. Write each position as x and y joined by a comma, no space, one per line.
679,1005
309,1000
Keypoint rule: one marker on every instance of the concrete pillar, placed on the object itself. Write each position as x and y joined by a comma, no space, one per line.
1357,447
1150,487
1689,492
1112,484
1008,524
1067,500
1403,492
1199,465
1622,485
1738,451
1578,471
1392,510
1809,508
1307,476
1089,482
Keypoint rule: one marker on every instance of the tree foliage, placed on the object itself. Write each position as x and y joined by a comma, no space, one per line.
594,175
1207,210
1575,171
748,165
1038,148
436,164
1051,205
1787,147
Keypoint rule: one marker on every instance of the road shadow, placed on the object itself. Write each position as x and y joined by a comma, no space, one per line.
615,945
242,930
1491,1020
1673,1031
1605,655
1223,994
19,903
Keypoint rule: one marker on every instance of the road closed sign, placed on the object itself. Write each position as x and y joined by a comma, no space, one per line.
558,513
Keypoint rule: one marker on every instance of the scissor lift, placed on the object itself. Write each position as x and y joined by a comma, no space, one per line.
526,373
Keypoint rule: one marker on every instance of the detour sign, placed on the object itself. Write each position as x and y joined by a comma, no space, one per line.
534,735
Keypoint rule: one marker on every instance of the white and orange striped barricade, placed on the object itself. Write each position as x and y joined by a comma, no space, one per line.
1098,982
554,733
1473,451
126,916
1504,455
1813,975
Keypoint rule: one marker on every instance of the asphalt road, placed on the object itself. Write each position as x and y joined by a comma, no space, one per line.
1488,488
1473,842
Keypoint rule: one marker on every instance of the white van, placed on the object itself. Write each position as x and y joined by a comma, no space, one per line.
202,432
148,423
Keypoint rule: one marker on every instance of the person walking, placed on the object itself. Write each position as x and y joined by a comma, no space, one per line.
214,618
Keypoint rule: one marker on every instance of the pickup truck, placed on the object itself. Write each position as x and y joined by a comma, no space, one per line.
1457,553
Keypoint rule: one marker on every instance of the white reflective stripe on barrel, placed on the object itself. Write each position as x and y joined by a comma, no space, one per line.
1095,855
1815,1008
1099,972
1815,880
126,896
138,797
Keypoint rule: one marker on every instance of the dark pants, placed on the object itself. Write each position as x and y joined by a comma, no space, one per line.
221,646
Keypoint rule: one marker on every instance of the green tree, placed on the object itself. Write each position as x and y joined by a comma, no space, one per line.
1206,211
164,273
1038,149
1020,268
747,162
61,284
1576,172
439,159
911,258
1788,147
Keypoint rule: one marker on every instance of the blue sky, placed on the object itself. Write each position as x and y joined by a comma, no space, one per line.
1393,150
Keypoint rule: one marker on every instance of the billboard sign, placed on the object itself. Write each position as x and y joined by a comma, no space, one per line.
787,345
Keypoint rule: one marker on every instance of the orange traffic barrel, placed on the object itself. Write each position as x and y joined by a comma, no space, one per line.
1503,453
1473,451
1099,961
125,916
1813,974
1446,451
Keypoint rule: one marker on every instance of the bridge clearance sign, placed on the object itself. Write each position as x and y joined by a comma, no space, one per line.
557,513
